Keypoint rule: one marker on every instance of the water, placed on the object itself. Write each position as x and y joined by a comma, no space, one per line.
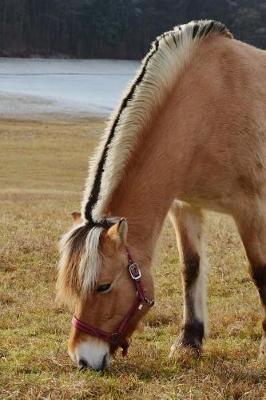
38,87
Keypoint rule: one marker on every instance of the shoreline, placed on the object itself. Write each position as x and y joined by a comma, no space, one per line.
35,108
53,119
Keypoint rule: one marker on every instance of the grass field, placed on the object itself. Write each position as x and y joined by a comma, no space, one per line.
42,171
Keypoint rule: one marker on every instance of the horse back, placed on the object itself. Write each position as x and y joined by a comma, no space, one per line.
220,124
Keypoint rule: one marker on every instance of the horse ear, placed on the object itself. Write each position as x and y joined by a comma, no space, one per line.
118,232
122,230
76,217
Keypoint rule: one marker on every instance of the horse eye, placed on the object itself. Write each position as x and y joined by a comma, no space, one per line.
103,288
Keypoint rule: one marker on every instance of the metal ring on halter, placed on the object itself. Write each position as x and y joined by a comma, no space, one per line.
134,271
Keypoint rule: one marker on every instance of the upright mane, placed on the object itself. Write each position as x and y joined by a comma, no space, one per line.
167,58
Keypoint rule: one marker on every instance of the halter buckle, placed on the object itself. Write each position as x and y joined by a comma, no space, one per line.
134,271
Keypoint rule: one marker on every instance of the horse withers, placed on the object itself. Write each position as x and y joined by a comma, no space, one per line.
190,134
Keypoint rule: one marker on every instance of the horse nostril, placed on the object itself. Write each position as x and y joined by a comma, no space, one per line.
104,363
82,364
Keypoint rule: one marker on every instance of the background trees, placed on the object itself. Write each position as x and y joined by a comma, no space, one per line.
114,28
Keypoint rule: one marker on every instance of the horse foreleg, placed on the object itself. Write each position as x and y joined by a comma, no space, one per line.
252,229
188,226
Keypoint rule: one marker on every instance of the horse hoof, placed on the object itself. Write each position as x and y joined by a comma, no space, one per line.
181,349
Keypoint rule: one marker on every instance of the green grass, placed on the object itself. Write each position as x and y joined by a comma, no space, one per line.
42,171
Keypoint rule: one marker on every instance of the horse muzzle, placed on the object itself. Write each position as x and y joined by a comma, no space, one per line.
91,353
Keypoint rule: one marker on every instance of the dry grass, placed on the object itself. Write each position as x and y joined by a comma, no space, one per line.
42,170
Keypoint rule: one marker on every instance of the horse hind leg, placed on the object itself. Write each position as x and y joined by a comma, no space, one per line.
252,229
188,226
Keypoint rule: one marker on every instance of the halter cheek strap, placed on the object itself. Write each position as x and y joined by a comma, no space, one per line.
118,338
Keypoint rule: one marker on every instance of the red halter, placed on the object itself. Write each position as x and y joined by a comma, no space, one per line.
118,338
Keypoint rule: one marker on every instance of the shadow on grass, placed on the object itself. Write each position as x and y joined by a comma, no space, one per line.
223,369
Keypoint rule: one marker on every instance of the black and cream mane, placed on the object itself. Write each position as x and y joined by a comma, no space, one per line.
167,58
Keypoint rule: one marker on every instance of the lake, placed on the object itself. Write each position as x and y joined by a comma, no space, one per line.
34,88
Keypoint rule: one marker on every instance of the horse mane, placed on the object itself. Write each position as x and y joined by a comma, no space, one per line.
167,58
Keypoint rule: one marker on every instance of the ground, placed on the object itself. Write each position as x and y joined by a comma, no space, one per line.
42,171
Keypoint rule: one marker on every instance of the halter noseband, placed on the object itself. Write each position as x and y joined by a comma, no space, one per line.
118,338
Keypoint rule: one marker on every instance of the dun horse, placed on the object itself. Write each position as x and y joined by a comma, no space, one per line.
190,134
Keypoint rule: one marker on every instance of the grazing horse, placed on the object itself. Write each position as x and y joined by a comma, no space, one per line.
190,134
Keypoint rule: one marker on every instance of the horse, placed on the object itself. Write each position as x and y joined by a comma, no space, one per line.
188,135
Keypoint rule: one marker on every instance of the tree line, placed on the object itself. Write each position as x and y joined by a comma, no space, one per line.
114,28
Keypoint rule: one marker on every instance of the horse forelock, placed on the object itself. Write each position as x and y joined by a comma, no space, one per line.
80,263
160,69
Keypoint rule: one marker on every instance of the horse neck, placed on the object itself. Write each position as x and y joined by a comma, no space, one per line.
144,195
